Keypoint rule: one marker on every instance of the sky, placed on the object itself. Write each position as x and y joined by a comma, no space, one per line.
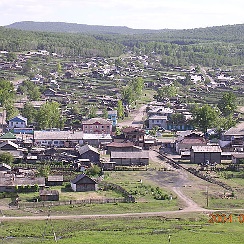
136,14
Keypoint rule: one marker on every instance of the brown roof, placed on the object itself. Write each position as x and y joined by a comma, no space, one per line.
48,192
97,120
119,145
12,180
132,129
193,140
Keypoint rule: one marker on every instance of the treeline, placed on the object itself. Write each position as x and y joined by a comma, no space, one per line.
215,46
63,44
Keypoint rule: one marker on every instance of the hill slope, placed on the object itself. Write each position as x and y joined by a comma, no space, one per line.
75,28
229,33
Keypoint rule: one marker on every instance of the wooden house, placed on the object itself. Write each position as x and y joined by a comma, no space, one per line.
187,139
88,152
17,122
5,167
83,183
134,134
122,147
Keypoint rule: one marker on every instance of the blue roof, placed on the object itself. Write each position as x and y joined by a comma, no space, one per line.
18,118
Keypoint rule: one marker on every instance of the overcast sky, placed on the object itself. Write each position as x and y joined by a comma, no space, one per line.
139,14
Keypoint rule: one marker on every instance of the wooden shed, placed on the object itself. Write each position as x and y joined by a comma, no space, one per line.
140,158
203,154
54,180
49,195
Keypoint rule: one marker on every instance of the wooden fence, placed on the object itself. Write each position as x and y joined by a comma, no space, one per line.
71,202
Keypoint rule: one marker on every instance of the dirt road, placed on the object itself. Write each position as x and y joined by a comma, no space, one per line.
136,118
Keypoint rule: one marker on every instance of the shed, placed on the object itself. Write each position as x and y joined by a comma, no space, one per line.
55,180
130,158
83,183
49,195
202,154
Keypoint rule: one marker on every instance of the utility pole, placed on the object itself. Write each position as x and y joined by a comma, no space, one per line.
207,195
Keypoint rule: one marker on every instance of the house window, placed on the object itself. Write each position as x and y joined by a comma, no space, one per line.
86,126
96,126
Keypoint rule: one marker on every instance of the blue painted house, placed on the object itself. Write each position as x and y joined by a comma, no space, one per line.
17,122
112,115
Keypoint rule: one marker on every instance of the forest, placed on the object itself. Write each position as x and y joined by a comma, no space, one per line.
212,47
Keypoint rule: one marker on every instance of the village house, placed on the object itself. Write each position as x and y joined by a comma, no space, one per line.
12,148
140,158
88,152
9,182
159,121
187,139
5,167
57,138
112,115
97,126
206,154
17,122
97,140
83,183
8,137
133,134
122,147
233,139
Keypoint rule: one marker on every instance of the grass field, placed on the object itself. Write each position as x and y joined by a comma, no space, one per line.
156,230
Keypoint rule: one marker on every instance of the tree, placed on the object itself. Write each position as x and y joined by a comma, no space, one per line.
94,170
11,111
92,111
120,110
49,116
227,103
105,113
128,95
177,118
166,91
29,112
138,85
59,68
6,158
6,92
205,117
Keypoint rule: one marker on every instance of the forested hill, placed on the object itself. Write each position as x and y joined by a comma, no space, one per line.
75,28
233,33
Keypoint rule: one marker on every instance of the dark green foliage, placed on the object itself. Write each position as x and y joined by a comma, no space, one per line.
227,103
6,158
94,170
